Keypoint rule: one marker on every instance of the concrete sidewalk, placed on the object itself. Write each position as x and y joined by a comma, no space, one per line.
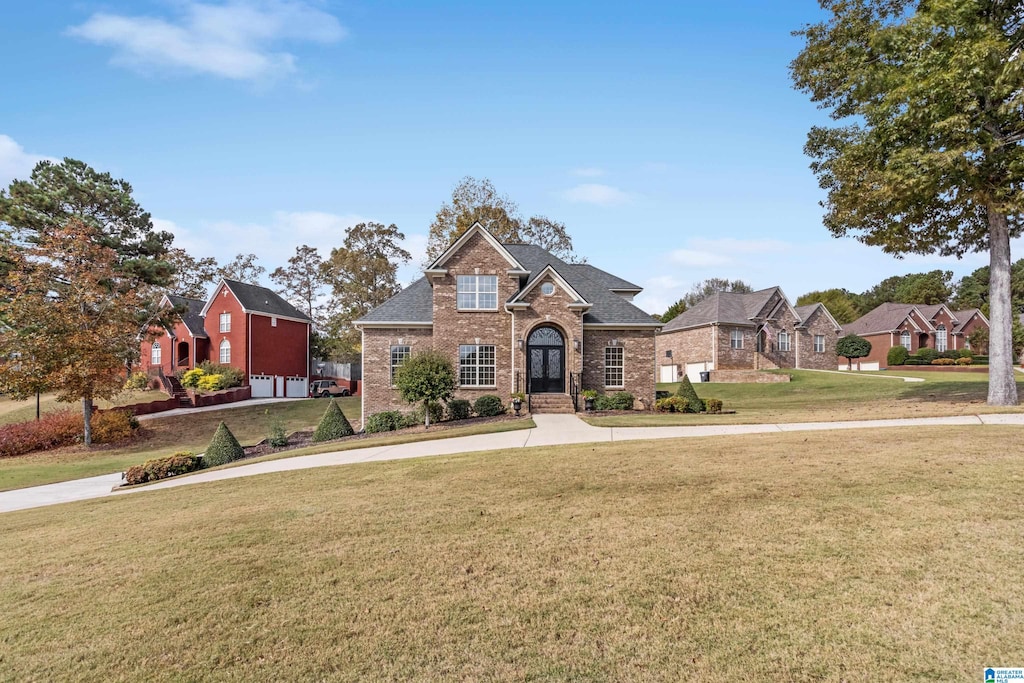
551,430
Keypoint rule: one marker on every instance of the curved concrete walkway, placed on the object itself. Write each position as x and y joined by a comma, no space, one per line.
551,430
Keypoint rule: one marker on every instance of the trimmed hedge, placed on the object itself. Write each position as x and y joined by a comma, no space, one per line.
386,421
459,409
687,391
333,425
52,430
223,448
162,468
897,355
713,405
488,405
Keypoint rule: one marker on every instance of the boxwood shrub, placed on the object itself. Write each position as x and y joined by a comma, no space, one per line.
459,409
386,421
333,425
162,468
488,405
223,448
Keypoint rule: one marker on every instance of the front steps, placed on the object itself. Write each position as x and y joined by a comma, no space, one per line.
551,404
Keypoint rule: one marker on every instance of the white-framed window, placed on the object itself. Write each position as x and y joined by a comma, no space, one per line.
547,289
225,352
940,338
155,354
476,365
225,322
783,341
736,339
819,343
614,365
273,321
905,340
399,352
477,292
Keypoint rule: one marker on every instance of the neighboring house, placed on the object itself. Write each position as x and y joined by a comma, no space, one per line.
512,317
245,326
753,331
915,326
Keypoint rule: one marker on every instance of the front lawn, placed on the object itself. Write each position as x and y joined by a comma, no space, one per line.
19,411
884,555
821,396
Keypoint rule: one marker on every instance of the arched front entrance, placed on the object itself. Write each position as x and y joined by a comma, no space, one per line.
545,354
181,359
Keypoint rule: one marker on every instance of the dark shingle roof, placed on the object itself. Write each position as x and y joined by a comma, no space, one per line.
965,317
414,304
885,318
193,315
722,307
263,300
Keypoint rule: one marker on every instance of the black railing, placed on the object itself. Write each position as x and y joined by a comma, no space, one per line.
574,390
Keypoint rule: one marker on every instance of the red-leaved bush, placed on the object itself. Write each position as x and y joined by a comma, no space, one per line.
162,468
52,430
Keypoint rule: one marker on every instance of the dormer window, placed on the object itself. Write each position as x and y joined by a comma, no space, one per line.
477,292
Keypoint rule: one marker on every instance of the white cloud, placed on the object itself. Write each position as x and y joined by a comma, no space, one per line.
234,40
588,172
15,162
593,193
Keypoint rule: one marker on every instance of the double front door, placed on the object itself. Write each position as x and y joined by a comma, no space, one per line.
546,357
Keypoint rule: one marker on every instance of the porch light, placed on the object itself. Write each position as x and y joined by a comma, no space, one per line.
576,345
519,343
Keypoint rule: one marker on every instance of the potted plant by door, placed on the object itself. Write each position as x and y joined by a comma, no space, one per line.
517,401
588,398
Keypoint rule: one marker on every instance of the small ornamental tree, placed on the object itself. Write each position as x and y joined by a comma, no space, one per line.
427,376
224,448
333,425
852,347
689,394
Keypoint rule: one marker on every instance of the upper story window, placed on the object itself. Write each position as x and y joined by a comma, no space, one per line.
783,341
905,340
547,289
225,352
399,353
225,322
477,293
819,343
736,339
940,338
154,354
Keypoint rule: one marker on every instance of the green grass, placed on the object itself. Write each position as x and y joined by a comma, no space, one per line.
20,411
881,555
164,436
819,396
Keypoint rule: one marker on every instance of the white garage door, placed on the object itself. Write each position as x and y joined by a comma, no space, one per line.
669,373
262,386
693,370
296,387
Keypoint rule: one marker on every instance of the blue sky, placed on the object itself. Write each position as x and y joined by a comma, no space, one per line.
666,136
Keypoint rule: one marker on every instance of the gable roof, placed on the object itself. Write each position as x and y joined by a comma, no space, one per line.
734,308
475,229
965,317
889,316
192,317
804,313
414,305
256,299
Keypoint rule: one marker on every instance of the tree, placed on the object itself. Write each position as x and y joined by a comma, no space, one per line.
243,269
477,200
71,190
852,347
673,311
839,302
926,155
74,313
302,283
929,288
702,290
426,376
192,277
333,424
363,274
223,448
972,290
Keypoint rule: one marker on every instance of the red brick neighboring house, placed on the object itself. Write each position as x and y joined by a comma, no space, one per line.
731,331
245,326
513,317
915,326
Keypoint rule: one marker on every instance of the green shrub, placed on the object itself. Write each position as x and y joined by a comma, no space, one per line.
386,421
672,404
223,448
333,425
459,409
231,376
488,405
137,381
111,426
603,402
436,412
162,468
191,378
686,391
622,400
927,354
411,420
897,355
713,405
211,383
276,434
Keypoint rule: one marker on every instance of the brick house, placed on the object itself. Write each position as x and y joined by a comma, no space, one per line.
245,326
513,318
732,331
915,327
